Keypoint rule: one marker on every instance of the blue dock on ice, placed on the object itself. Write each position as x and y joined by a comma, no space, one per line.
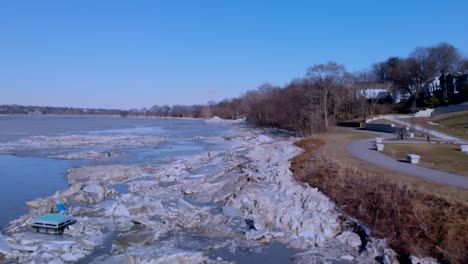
52,222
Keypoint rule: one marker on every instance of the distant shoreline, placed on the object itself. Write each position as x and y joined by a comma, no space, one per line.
110,115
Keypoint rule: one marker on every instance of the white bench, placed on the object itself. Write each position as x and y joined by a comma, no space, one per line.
413,158
409,135
464,148
378,140
379,146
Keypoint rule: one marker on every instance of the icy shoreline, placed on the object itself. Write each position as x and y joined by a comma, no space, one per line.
80,141
244,196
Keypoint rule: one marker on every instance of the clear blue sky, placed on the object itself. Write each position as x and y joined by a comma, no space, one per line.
125,54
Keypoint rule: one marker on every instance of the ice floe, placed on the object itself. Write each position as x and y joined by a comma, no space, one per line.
172,215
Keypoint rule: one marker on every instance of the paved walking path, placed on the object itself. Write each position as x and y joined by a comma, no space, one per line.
364,150
431,132
428,131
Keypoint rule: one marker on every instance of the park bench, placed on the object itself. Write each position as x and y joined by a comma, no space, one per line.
464,148
413,158
379,147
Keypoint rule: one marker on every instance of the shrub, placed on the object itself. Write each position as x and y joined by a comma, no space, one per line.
432,102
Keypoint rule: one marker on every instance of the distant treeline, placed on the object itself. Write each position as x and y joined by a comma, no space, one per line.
42,110
428,77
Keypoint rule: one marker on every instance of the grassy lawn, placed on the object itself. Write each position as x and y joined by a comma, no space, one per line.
336,150
453,124
444,157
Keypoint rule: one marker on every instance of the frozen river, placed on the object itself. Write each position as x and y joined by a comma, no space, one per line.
28,172
146,190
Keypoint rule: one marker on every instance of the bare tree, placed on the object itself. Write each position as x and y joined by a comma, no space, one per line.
293,103
422,70
462,65
376,97
409,75
389,73
325,77
362,82
445,58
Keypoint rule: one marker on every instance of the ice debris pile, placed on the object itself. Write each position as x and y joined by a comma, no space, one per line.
80,141
181,211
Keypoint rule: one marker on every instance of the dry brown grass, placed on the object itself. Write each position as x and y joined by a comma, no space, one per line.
414,221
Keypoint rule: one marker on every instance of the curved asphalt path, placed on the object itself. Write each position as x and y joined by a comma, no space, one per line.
364,150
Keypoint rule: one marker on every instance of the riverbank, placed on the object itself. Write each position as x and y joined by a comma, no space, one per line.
404,210
189,209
